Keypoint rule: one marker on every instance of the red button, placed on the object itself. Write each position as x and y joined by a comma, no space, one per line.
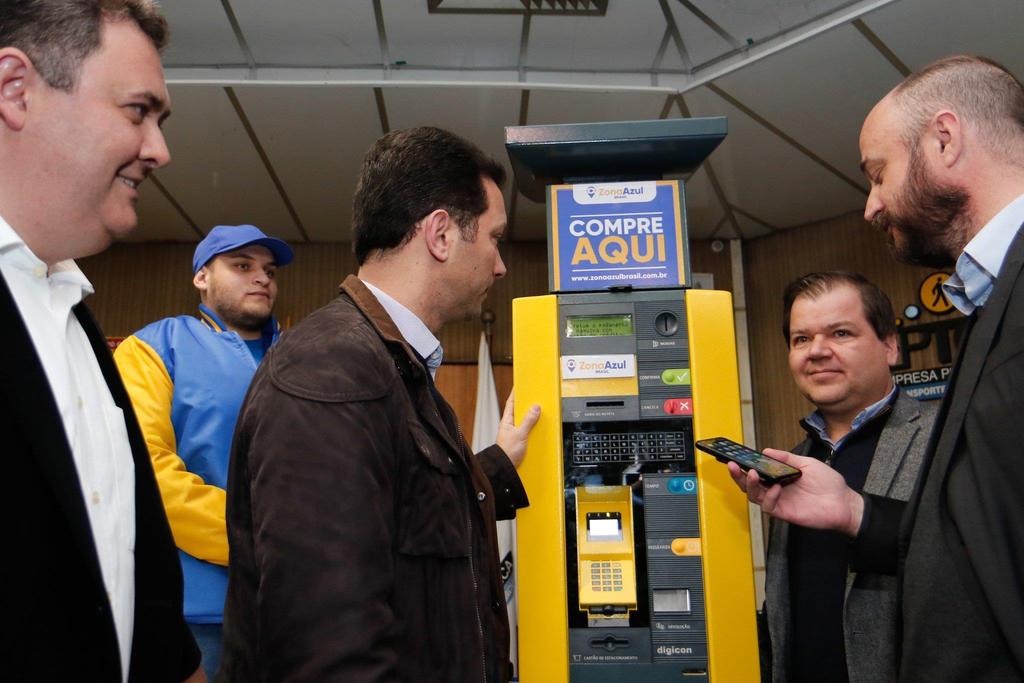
678,406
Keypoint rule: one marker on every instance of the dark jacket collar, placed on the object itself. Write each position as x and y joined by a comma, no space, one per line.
370,307
407,361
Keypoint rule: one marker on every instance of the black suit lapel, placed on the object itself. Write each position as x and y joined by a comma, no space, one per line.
26,393
975,346
976,342
941,417
975,352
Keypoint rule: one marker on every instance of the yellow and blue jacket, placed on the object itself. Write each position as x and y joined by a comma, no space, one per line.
187,378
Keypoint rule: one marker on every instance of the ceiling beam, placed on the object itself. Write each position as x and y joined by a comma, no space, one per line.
755,51
524,46
548,8
716,186
722,222
176,204
524,114
712,24
668,80
265,158
788,139
659,56
382,110
677,37
382,36
666,108
524,108
752,217
727,206
243,44
880,45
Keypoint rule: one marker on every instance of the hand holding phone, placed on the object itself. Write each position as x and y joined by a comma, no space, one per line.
770,470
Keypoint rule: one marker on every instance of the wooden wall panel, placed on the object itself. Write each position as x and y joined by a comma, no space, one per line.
457,383
527,276
704,259
770,263
138,283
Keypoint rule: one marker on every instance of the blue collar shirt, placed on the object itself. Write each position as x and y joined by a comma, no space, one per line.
977,268
816,422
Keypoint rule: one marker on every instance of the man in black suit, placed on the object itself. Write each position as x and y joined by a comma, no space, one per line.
944,153
91,584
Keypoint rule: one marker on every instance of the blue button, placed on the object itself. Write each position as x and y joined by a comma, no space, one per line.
683,485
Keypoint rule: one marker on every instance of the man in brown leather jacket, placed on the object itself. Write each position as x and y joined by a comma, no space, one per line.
361,526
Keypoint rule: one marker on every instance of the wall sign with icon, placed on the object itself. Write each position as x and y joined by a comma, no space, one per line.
929,383
931,295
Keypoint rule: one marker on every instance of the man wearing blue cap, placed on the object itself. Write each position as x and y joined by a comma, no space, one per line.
187,377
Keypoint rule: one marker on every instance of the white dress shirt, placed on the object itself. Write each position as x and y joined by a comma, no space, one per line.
93,424
419,336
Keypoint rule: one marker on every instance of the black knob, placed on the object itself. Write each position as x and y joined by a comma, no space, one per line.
666,324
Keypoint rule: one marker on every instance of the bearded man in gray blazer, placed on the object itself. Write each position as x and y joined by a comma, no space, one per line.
827,622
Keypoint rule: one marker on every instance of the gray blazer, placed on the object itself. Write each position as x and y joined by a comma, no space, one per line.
870,614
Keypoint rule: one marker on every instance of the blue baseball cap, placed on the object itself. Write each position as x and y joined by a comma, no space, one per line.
230,237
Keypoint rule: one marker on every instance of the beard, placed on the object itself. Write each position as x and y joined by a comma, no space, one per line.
931,220
242,319
238,315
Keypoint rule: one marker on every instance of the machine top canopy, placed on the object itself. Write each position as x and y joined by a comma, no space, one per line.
611,151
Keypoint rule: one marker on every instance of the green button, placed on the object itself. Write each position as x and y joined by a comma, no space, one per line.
676,376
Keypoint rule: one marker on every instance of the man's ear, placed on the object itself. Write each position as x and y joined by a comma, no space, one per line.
15,72
200,281
946,135
892,349
438,233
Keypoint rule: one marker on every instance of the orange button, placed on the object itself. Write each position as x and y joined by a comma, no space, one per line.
686,546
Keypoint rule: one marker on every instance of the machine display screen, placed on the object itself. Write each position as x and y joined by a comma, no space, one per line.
618,325
604,526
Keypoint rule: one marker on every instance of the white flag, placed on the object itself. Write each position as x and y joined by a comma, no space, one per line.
485,432
487,417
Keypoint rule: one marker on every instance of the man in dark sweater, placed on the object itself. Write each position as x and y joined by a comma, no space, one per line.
826,622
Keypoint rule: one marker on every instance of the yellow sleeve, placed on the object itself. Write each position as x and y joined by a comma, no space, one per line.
194,508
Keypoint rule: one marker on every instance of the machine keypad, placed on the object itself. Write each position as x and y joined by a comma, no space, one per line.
594,449
606,576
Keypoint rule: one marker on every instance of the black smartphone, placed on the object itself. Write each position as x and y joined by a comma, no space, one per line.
770,470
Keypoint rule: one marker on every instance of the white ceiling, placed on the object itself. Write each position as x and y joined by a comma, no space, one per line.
275,103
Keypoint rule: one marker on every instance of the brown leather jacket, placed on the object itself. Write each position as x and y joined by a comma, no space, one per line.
362,535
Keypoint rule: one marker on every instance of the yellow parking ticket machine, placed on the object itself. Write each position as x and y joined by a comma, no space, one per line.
634,558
